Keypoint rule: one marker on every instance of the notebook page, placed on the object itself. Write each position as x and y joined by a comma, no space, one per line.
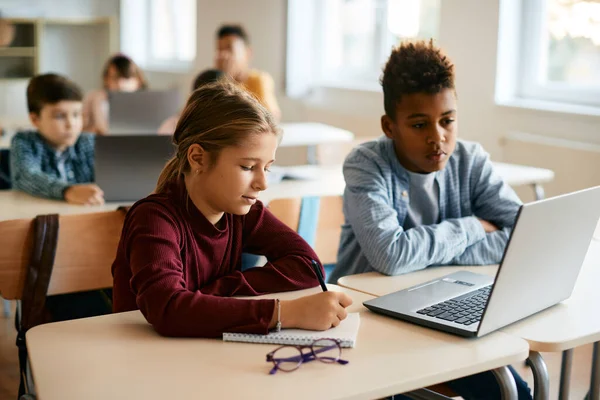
346,332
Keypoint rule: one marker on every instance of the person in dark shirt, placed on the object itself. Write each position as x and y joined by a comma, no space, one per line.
179,258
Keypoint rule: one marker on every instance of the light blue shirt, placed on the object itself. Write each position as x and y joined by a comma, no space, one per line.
376,202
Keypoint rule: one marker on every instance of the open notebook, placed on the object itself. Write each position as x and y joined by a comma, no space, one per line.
346,332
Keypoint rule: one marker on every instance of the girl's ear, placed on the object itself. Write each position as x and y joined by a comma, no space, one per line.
197,158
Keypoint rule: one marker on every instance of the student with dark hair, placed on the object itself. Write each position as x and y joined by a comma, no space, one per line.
233,54
120,74
208,76
418,196
55,161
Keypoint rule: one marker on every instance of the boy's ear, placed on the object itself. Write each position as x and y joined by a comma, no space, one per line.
388,126
197,158
35,119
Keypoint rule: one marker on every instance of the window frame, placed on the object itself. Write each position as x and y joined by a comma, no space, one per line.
383,41
345,77
532,55
136,37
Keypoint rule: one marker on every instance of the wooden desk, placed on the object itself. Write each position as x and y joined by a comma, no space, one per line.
569,324
121,357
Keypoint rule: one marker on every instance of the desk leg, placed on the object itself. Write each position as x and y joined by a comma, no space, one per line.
595,384
312,157
508,387
539,191
541,381
565,375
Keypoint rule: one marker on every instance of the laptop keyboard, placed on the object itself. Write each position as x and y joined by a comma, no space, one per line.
465,309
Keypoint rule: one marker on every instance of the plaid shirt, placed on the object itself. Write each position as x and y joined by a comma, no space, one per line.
376,201
37,169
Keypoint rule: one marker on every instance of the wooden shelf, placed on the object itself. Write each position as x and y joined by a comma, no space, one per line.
78,21
74,47
17,51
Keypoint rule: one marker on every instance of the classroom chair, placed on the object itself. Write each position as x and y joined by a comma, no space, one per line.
51,255
4,185
317,219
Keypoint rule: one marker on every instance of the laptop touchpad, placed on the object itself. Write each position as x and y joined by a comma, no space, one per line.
440,290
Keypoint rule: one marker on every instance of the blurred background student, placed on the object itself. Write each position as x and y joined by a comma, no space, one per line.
233,54
120,74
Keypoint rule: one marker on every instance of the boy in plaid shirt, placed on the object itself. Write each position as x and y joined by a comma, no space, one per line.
56,161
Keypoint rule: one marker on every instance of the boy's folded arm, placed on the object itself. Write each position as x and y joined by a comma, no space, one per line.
485,252
492,199
389,248
28,176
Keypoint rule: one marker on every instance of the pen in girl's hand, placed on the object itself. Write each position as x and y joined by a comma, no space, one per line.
317,269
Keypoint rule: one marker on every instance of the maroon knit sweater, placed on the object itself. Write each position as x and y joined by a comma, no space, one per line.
180,270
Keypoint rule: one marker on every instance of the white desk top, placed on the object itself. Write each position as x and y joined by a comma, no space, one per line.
121,357
312,133
14,204
517,175
329,181
569,324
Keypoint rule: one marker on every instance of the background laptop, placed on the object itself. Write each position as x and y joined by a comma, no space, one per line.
539,269
141,112
127,167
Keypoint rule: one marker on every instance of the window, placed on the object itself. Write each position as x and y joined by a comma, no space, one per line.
357,35
560,52
345,43
159,34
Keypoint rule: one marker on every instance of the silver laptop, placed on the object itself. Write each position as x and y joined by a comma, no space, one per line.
127,167
140,112
539,268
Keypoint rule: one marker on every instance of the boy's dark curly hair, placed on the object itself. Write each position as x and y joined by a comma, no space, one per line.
415,67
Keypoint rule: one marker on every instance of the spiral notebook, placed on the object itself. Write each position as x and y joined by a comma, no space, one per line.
346,332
